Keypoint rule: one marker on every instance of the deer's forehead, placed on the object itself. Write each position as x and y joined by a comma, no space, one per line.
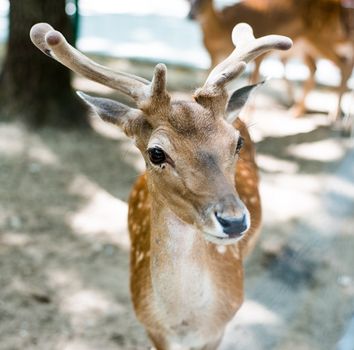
214,138
188,125
188,117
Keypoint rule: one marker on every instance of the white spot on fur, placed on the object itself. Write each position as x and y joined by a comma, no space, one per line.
140,257
145,221
253,200
141,195
250,181
221,249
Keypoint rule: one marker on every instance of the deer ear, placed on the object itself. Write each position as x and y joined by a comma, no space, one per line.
127,118
238,100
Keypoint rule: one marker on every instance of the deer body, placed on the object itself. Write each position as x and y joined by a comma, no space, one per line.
182,270
265,17
318,25
196,212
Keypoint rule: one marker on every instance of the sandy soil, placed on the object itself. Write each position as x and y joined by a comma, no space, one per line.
64,246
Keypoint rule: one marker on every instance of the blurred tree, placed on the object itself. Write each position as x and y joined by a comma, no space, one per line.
34,87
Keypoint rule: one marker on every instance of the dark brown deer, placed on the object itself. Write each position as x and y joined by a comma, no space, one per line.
195,213
325,28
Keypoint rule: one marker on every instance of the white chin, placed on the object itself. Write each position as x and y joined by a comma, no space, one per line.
221,240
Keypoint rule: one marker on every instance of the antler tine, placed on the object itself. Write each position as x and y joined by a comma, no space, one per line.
158,84
247,48
53,44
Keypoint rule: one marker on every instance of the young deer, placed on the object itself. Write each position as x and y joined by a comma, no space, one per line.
196,211
323,27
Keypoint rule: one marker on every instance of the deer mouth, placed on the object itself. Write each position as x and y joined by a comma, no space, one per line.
223,240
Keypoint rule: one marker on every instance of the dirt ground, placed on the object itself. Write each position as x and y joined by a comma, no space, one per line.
64,244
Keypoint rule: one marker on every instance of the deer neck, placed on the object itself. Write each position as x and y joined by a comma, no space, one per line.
215,35
208,13
210,21
179,261
182,289
190,276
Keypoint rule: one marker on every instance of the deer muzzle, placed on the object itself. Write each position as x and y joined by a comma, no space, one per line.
230,218
233,226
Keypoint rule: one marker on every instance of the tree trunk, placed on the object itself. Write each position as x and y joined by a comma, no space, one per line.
34,87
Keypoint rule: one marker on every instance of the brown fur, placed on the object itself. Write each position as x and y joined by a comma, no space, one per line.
185,283
230,281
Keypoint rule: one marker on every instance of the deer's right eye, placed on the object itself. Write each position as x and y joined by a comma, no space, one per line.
157,155
240,144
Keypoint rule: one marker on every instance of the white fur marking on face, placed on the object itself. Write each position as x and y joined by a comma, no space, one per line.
220,241
216,229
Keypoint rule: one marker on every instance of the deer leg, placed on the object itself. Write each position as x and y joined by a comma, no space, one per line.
346,71
299,108
158,340
212,345
345,66
160,343
289,84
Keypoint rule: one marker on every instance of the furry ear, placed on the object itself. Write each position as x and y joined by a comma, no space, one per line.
127,118
238,100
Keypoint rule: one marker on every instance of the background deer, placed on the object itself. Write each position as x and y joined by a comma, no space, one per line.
324,27
196,211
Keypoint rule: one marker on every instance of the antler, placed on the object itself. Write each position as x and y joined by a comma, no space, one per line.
247,48
54,44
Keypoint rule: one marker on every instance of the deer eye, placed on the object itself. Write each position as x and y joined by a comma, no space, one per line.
240,143
157,155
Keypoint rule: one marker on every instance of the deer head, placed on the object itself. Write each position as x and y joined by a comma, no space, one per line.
190,147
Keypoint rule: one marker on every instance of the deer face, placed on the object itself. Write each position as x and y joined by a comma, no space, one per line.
190,154
191,162
190,147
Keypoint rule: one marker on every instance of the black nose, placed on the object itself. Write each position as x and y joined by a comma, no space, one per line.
233,226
